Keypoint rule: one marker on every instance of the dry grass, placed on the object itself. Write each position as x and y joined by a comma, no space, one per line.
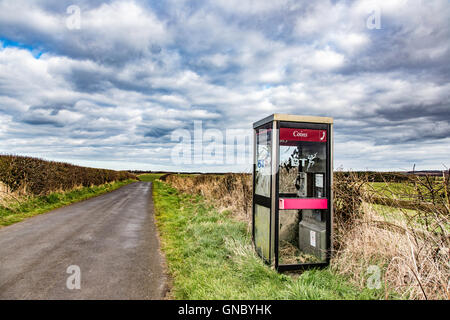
290,254
412,250
6,196
231,192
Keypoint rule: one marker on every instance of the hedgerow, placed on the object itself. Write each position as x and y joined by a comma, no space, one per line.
33,176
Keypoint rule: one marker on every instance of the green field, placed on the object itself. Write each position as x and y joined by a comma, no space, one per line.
34,205
403,190
150,177
210,256
391,188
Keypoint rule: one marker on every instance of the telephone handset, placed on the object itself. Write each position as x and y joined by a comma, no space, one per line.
310,185
301,184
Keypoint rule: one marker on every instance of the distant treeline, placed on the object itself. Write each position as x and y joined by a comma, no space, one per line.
430,172
372,176
376,176
38,177
168,172
147,171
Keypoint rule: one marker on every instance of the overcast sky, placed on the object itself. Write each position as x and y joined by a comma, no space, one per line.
108,90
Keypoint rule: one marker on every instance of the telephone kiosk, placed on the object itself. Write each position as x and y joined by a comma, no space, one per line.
292,198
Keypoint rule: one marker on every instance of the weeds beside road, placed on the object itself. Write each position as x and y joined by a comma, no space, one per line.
210,256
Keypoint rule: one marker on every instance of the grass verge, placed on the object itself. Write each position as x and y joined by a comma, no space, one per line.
210,256
32,206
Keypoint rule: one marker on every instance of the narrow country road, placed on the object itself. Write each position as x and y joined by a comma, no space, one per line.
111,238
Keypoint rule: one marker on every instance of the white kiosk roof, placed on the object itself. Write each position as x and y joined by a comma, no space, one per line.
292,118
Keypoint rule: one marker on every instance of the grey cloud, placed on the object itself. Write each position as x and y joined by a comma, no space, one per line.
157,132
433,112
36,120
88,80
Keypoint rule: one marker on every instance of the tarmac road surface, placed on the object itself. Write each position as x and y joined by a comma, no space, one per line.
110,239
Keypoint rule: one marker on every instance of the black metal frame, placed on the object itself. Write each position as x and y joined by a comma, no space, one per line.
274,210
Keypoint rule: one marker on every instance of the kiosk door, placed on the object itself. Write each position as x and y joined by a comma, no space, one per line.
303,199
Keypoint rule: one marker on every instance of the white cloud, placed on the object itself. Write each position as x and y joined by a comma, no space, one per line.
252,6
123,23
25,13
326,60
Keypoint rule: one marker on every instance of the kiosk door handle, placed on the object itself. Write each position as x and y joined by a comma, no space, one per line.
308,203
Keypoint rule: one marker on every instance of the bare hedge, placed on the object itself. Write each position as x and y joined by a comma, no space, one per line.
39,177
